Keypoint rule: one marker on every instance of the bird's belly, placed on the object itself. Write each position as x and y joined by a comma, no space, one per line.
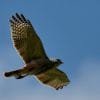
37,66
35,71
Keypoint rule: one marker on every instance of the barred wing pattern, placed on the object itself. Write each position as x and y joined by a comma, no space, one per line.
25,39
54,78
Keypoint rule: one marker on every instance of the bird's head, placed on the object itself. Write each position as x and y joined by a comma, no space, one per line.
56,61
59,61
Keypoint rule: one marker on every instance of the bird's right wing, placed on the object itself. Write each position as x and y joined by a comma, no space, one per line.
54,78
25,39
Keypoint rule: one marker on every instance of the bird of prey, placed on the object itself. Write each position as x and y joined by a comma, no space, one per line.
30,48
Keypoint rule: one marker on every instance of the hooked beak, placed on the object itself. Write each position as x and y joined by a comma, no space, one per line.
62,62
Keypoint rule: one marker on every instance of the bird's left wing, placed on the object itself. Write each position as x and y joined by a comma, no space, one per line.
54,78
25,39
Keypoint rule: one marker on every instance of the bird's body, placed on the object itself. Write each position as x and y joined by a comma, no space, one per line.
30,48
33,68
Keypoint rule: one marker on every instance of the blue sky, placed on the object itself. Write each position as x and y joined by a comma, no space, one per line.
70,30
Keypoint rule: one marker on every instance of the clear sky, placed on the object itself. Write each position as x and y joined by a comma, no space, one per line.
70,30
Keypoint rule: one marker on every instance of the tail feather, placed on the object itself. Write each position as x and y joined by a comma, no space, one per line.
17,74
9,74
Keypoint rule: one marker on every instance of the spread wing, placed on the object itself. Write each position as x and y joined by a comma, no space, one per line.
54,78
25,39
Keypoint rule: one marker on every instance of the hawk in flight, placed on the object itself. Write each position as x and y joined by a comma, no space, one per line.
30,48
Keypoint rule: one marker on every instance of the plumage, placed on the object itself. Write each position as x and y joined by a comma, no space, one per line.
26,40
54,78
30,48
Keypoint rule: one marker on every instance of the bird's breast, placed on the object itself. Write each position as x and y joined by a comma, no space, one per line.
37,66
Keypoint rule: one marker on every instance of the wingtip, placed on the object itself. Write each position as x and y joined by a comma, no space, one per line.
16,14
19,17
23,17
14,18
21,14
10,20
